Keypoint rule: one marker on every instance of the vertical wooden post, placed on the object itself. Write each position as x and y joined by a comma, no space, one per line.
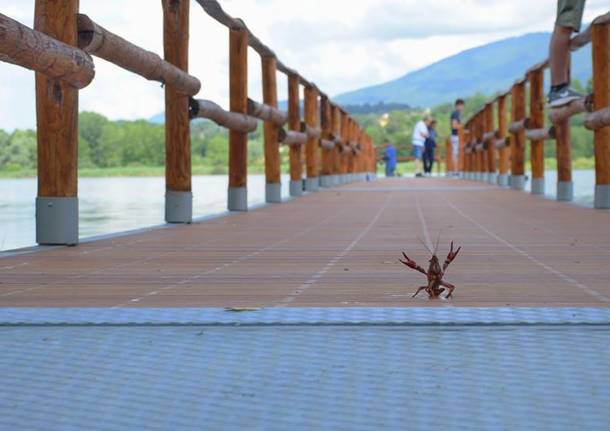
327,155
312,183
178,192
504,151
483,154
294,124
601,90
490,145
345,136
461,155
57,134
337,150
273,187
448,157
238,141
536,80
563,146
467,157
517,180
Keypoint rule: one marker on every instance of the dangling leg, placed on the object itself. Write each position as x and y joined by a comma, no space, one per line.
419,290
450,287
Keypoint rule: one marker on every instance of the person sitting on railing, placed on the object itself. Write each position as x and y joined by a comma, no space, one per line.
456,121
420,134
430,146
569,20
389,157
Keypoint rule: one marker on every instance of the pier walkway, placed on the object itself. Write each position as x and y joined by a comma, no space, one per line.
337,248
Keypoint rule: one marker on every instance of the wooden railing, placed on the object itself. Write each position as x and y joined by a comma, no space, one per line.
497,154
327,145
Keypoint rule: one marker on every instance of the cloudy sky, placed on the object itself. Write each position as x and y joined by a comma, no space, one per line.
340,45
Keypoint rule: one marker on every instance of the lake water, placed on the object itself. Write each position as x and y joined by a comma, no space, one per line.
109,205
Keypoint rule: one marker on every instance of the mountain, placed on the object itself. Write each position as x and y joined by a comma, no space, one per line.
487,69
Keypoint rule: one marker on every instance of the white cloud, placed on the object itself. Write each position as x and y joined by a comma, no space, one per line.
340,44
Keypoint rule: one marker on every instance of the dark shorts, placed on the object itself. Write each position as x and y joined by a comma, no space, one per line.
569,13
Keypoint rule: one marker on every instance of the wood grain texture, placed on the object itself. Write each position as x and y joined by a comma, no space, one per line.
536,121
102,43
601,90
326,123
294,124
312,119
57,107
238,94
504,152
37,51
490,148
271,133
177,120
518,140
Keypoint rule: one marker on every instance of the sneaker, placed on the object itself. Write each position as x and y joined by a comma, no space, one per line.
563,97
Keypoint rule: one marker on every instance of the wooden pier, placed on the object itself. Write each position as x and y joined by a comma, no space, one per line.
337,248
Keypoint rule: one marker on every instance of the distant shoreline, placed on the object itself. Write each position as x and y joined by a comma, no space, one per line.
581,164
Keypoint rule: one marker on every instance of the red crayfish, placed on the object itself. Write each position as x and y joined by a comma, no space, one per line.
436,285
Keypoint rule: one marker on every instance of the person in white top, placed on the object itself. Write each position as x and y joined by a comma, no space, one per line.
420,134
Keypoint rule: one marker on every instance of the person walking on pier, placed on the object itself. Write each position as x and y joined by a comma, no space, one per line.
429,148
456,123
420,134
390,158
569,20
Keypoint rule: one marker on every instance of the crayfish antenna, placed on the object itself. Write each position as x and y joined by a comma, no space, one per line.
425,245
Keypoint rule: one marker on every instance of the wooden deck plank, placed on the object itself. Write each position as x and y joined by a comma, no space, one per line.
337,248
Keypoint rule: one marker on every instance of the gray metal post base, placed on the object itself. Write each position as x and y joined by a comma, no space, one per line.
502,180
538,186
296,188
238,199
565,191
312,184
517,182
56,221
481,176
602,197
178,207
492,178
273,193
326,181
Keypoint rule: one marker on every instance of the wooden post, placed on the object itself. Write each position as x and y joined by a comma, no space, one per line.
337,151
504,162
461,156
273,188
518,142
482,154
178,192
312,183
238,141
345,136
57,135
536,80
294,124
490,145
601,91
448,157
327,155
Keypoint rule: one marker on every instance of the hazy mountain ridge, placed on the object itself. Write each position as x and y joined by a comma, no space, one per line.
487,69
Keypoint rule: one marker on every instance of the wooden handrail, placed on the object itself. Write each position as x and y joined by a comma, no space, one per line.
200,108
544,134
37,51
267,113
96,40
598,119
311,132
292,138
584,104
518,126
